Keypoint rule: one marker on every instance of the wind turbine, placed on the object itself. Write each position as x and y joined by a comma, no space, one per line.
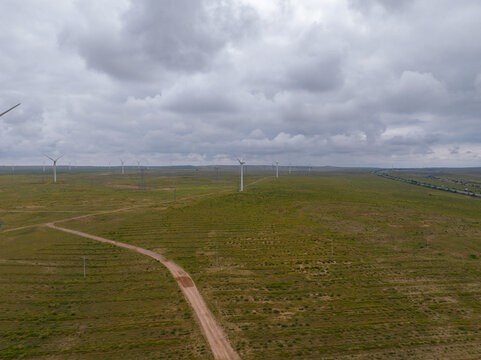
54,167
241,163
122,162
9,109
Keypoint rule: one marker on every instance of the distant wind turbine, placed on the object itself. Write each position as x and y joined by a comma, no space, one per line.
9,110
122,162
241,163
54,167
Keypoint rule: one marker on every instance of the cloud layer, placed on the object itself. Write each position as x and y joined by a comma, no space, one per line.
370,83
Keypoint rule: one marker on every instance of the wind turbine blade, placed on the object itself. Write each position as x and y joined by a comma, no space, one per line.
49,157
59,157
9,109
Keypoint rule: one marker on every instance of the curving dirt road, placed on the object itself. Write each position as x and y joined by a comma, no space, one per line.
214,334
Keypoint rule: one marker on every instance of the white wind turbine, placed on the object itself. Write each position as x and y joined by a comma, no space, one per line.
122,162
13,107
241,163
54,167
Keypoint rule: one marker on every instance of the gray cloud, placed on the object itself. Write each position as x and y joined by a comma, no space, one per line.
342,83
161,36
384,5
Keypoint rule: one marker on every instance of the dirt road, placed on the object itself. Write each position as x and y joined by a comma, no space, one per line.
214,334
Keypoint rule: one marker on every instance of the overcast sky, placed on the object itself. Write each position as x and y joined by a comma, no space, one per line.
312,82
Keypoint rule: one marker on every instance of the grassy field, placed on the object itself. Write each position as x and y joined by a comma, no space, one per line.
127,306
31,198
336,265
459,179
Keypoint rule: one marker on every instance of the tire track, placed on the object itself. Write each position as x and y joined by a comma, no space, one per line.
220,346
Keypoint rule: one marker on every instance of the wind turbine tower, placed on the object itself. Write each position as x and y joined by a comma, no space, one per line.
277,169
122,162
54,167
241,163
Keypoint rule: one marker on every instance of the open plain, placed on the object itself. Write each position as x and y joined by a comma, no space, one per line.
331,264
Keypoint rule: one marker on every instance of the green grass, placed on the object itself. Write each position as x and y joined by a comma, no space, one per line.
32,198
404,280
459,179
127,306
